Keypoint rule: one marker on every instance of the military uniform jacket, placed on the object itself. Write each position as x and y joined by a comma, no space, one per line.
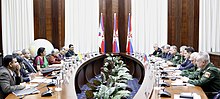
182,59
208,79
175,58
8,82
189,72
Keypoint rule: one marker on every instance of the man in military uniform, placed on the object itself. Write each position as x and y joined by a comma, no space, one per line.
175,56
208,77
182,50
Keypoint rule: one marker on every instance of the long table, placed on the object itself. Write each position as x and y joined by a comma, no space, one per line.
145,91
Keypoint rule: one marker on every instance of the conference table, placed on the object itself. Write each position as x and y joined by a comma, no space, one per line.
139,68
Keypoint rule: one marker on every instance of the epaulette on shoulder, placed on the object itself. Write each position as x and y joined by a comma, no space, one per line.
213,69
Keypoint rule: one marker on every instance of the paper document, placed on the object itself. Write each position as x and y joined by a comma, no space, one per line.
27,91
37,80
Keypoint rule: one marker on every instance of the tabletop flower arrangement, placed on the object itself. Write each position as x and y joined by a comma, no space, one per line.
113,82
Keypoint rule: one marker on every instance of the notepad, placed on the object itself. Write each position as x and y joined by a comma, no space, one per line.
27,91
186,95
37,80
178,84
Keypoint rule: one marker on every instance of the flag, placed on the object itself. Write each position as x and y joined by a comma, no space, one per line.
145,58
79,56
129,47
115,47
101,37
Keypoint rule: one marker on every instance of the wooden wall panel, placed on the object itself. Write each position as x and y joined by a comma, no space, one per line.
183,23
214,58
49,20
122,8
62,23
108,25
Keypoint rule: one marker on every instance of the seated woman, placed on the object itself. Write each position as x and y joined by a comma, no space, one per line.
10,76
40,61
54,57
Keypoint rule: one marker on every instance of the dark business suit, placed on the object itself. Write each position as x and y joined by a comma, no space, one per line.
190,65
8,82
24,73
70,53
29,66
166,56
186,65
157,52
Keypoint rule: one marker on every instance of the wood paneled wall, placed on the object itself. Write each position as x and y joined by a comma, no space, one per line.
183,23
49,21
214,58
121,8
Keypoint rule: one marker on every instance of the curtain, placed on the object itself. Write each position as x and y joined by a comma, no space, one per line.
149,24
209,25
82,25
17,25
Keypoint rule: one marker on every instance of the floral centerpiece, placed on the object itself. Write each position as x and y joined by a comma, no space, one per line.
113,82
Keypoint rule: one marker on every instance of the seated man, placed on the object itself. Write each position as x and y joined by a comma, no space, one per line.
175,56
10,77
157,51
53,58
192,70
29,66
186,64
209,75
62,53
165,52
70,52
17,53
24,72
182,50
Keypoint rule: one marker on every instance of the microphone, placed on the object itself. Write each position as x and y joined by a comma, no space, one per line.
164,84
53,83
47,93
34,90
164,93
